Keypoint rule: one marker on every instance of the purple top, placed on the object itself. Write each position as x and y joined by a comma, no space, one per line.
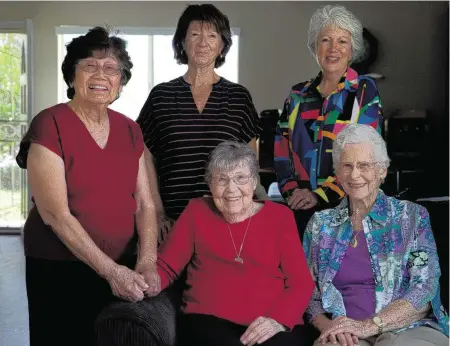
355,281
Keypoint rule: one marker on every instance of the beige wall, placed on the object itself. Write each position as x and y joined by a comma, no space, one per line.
273,52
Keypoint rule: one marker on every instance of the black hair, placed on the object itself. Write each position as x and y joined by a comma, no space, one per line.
205,13
82,47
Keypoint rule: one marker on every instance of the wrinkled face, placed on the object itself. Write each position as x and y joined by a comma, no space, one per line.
359,175
232,191
97,79
333,49
203,44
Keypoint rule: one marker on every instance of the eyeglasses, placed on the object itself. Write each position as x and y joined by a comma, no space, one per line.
92,66
363,167
239,179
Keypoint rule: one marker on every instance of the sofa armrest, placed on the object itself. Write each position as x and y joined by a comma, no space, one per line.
151,321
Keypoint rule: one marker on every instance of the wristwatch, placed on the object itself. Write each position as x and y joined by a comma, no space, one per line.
379,322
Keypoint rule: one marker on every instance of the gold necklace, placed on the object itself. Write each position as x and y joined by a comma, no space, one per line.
354,241
238,257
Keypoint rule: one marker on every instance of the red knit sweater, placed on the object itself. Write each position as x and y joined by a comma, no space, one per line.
273,281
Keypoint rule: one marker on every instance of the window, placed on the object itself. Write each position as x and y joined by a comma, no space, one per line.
152,56
15,110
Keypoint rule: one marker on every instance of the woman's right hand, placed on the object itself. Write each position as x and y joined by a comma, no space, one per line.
126,283
302,199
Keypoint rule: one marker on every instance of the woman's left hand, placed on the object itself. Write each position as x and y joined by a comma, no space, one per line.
260,330
342,324
148,270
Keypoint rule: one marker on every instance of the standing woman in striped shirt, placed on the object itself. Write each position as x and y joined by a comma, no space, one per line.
315,112
184,119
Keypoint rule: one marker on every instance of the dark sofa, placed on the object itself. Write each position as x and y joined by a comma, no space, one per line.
150,322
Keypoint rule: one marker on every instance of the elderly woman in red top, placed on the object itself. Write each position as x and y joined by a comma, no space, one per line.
248,282
88,177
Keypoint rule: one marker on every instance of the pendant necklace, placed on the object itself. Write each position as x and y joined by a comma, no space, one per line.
354,241
238,254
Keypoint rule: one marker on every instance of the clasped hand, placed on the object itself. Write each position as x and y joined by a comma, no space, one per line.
345,331
134,285
148,270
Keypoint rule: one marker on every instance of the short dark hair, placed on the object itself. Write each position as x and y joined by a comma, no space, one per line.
82,47
205,13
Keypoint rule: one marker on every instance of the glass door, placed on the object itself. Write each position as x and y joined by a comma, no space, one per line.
15,102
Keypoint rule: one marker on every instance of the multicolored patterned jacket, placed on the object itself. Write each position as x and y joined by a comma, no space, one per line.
308,127
402,252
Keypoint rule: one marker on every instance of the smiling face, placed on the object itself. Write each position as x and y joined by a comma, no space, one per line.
358,173
203,44
232,191
101,86
333,49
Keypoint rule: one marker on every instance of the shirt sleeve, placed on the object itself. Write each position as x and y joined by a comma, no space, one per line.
251,125
43,130
369,104
286,161
146,121
177,249
423,263
370,112
288,308
312,248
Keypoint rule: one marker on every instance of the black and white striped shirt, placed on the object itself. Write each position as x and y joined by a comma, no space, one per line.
180,138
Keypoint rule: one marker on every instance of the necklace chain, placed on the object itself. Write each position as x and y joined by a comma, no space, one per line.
354,240
238,254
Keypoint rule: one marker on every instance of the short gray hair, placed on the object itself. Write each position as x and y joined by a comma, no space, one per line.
336,16
360,133
228,155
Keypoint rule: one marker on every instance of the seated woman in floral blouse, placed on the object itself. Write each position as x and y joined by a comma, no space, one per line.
373,257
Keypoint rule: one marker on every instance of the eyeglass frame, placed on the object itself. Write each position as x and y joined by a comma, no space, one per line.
358,166
228,179
81,65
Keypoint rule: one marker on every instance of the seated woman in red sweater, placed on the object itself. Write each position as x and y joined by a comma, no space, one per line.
247,278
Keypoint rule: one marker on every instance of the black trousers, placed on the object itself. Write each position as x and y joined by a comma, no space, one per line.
64,299
207,330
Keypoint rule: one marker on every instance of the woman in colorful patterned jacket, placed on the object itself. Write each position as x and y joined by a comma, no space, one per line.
315,112
373,257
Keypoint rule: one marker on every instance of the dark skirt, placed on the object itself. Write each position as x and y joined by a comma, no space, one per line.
64,298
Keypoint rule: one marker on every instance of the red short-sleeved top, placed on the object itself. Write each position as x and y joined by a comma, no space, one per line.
100,182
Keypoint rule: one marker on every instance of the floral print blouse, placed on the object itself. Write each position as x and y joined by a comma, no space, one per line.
402,251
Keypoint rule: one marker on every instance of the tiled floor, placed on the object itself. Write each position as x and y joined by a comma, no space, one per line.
13,297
